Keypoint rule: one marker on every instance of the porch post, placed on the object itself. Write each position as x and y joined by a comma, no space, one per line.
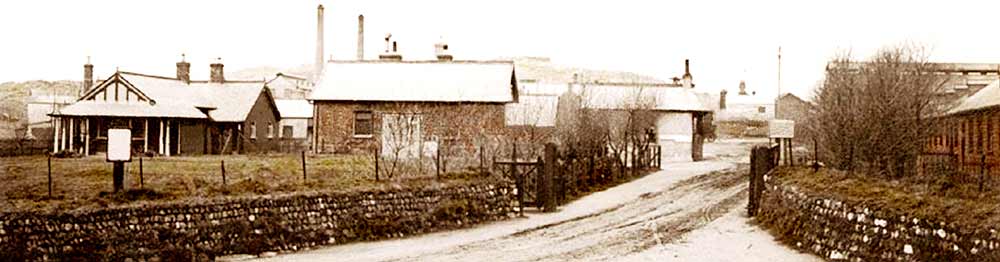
86,137
168,138
159,144
71,134
145,136
178,138
55,134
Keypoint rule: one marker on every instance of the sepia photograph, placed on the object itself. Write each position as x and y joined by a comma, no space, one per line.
447,130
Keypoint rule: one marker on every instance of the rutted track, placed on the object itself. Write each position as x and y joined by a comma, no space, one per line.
652,219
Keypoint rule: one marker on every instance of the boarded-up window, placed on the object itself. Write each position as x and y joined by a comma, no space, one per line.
286,131
363,123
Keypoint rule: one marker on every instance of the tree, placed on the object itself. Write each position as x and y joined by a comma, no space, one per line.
876,114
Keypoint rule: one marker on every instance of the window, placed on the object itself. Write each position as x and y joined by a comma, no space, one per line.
270,130
363,123
253,130
286,131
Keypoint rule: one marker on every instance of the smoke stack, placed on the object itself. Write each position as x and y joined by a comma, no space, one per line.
318,68
184,70
216,75
687,75
361,37
722,99
88,76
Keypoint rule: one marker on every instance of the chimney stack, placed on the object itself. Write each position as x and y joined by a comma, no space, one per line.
184,70
216,75
722,99
743,88
318,68
441,51
88,76
361,37
391,51
687,75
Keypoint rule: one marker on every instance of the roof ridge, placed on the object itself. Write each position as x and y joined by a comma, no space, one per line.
148,75
421,62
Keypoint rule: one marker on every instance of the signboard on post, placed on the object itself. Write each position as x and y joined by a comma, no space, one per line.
781,128
119,145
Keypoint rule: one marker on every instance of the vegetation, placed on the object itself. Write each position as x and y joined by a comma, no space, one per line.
930,198
80,183
874,115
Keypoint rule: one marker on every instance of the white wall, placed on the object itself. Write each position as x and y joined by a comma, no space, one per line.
299,127
674,126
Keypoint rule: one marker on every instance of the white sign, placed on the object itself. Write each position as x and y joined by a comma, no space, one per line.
119,145
781,128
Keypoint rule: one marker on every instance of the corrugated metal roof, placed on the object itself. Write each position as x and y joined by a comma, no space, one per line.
656,98
420,81
532,110
987,97
294,108
230,102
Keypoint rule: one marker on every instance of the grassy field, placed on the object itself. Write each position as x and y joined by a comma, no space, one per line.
84,182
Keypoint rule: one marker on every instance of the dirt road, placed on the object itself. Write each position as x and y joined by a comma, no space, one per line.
672,215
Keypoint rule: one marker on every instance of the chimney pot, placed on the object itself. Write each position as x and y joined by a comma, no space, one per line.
361,37
722,99
216,73
88,76
687,75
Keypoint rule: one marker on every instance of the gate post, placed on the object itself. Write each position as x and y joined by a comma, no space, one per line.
546,185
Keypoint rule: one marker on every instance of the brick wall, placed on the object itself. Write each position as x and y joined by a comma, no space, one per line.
173,231
842,231
462,121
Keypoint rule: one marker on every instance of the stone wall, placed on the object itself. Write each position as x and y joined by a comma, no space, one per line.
843,231
178,231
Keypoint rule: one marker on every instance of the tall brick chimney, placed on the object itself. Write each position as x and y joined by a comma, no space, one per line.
216,74
687,75
361,37
88,76
318,68
184,70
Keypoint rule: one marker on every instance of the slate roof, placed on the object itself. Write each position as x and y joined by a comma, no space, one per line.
417,81
294,108
169,97
987,97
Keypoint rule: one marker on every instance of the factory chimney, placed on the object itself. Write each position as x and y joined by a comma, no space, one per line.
318,68
361,37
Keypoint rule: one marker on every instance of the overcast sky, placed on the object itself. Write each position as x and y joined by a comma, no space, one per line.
727,41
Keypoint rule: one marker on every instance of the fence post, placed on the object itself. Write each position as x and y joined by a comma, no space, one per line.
303,166
376,163
520,193
482,160
753,182
437,161
142,181
546,184
223,166
982,171
50,175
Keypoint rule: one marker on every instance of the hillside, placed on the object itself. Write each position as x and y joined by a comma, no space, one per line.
14,95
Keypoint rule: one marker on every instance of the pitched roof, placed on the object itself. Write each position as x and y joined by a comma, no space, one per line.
540,69
655,98
169,97
987,97
294,108
532,110
417,81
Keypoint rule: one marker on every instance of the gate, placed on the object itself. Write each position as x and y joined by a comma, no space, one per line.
526,174
762,160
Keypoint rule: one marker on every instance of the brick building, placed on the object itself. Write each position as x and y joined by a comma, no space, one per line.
791,107
970,133
170,115
410,106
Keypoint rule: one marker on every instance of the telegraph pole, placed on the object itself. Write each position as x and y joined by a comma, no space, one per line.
779,84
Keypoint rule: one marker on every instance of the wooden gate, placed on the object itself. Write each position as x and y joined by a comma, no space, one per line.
762,160
526,174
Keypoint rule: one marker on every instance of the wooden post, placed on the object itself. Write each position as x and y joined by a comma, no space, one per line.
815,155
142,181
547,186
145,136
71,135
303,166
437,162
982,171
223,166
376,163
791,154
86,137
118,175
159,143
167,139
50,176
482,160
55,135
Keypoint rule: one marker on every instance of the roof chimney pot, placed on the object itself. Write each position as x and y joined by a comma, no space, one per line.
216,73
184,70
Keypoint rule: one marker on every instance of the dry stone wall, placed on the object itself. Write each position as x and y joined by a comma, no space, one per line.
840,231
185,231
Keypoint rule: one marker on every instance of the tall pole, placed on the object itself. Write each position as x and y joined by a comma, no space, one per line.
779,85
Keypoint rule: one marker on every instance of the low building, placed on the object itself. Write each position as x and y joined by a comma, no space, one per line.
744,114
410,108
969,134
296,125
791,107
288,86
171,115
